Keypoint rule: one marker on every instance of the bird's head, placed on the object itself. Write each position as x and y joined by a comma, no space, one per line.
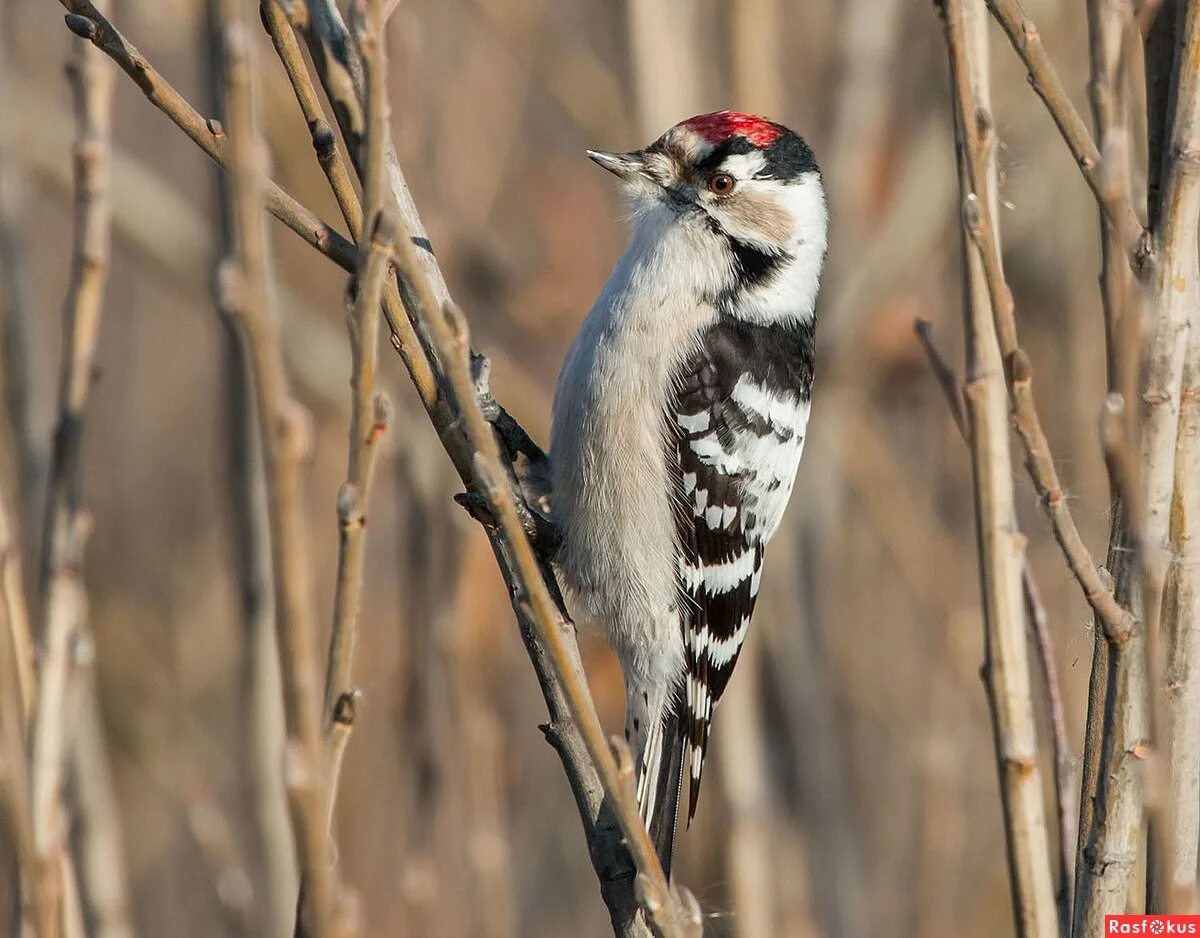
748,188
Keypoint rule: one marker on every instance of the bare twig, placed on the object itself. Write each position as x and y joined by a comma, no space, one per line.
947,378
92,80
101,863
404,340
1064,775
87,22
978,221
15,613
328,155
369,415
1181,627
245,278
65,526
48,745
340,69
1167,486
1118,721
990,332
275,880
1064,772
16,705
1043,78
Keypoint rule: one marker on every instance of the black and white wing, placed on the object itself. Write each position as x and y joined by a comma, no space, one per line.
738,421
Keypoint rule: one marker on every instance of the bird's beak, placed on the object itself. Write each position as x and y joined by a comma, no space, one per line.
625,166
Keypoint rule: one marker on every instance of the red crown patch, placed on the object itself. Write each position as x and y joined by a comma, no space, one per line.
719,126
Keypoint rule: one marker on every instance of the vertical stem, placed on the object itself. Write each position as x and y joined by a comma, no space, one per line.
1001,546
1171,459
284,431
369,413
60,583
262,749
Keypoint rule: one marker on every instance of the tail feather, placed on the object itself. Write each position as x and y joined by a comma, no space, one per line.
660,782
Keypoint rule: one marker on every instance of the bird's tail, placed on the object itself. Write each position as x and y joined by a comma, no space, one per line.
660,781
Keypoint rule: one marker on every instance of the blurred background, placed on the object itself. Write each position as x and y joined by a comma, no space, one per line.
853,786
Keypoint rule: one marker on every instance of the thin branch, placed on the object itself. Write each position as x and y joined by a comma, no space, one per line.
54,883
324,143
340,69
1166,484
87,22
368,416
245,279
991,336
65,526
103,884
1116,750
16,706
1043,78
263,743
1039,460
1064,774
15,614
404,339
947,378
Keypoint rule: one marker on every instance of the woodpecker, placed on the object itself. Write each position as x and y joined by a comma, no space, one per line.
679,418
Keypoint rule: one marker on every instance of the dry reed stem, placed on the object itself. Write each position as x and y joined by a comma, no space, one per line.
16,705
48,746
1001,547
283,430
104,888
1118,722
15,613
65,526
1064,773
1169,482
369,415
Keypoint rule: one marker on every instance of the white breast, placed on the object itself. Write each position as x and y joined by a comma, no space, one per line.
612,489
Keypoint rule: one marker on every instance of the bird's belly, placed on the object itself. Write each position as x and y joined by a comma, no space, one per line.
619,555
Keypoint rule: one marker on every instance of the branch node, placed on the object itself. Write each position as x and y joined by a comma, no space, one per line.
349,505
1021,368
345,710
323,140
478,508
383,415
81,26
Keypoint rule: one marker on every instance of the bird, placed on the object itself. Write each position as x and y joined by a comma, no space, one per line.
678,421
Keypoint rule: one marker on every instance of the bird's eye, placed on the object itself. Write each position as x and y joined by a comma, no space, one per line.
721,183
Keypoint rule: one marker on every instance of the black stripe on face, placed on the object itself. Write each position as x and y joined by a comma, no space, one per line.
754,267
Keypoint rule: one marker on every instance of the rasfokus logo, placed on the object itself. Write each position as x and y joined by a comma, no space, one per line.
1152,924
